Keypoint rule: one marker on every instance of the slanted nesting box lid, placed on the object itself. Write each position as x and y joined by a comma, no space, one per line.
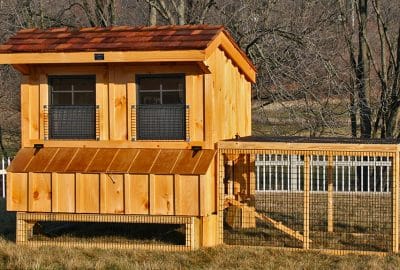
111,160
187,43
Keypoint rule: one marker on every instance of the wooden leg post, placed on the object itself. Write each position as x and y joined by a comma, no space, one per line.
306,210
395,201
330,192
24,230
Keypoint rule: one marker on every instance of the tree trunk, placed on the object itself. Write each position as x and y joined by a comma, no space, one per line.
362,72
353,115
395,103
153,15
181,12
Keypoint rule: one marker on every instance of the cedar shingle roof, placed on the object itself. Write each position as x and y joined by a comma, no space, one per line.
116,38
112,160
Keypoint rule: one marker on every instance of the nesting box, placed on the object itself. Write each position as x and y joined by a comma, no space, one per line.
124,121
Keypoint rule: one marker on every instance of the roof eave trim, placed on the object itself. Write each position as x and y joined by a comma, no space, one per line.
109,57
225,43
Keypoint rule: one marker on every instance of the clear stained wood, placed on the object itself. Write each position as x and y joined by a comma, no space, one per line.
105,193
112,160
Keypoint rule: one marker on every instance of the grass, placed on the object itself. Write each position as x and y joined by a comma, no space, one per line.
222,257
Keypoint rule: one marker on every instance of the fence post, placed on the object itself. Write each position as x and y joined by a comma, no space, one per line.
330,192
395,203
306,210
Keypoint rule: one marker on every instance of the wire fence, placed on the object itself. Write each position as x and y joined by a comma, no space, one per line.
325,200
3,174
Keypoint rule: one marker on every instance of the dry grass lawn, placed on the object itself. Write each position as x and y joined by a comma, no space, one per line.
15,257
222,257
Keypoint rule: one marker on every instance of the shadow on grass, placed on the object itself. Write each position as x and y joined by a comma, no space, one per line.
7,222
110,232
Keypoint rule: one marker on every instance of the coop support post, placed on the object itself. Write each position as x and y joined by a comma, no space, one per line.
24,229
220,197
306,210
395,202
330,192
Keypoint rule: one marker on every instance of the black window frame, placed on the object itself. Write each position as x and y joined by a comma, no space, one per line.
176,130
71,121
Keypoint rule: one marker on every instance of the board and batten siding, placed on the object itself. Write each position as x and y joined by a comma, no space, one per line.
142,194
229,105
115,95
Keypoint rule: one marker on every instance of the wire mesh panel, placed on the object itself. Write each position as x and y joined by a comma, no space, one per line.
72,122
341,201
161,122
106,231
272,218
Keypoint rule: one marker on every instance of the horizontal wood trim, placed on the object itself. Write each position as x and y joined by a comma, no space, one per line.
117,144
339,147
109,57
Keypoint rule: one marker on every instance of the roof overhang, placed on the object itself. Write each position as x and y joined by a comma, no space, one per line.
22,60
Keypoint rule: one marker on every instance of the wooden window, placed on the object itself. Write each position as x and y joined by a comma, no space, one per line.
161,109
72,108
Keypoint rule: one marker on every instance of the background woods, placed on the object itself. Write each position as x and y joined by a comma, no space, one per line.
325,68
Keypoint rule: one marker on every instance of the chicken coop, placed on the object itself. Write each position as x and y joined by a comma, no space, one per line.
119,126
141,137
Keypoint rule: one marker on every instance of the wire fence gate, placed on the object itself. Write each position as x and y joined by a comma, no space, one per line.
325,200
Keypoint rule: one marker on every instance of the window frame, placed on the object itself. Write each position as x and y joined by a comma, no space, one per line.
181,105
161,90
91,109
72,91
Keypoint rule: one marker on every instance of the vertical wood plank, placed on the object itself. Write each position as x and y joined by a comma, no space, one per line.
131,100
194,98
118,103
43,100
102,102
39,187
63,192
207,192
34,107
208,230
152,197
111,193
25,113
209,98
306,210
17,191
163,195
330,192
87,193
137,194
187,200
395,202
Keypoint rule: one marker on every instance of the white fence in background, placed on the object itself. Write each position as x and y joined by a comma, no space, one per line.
3,174
276,172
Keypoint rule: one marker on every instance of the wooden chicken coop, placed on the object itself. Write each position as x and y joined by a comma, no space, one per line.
120,124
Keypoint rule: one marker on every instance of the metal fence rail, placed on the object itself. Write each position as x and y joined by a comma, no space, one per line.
276,172
3,174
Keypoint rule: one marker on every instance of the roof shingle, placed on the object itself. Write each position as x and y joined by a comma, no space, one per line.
116,38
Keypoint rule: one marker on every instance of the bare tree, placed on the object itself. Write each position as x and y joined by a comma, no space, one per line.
179,11
373,40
